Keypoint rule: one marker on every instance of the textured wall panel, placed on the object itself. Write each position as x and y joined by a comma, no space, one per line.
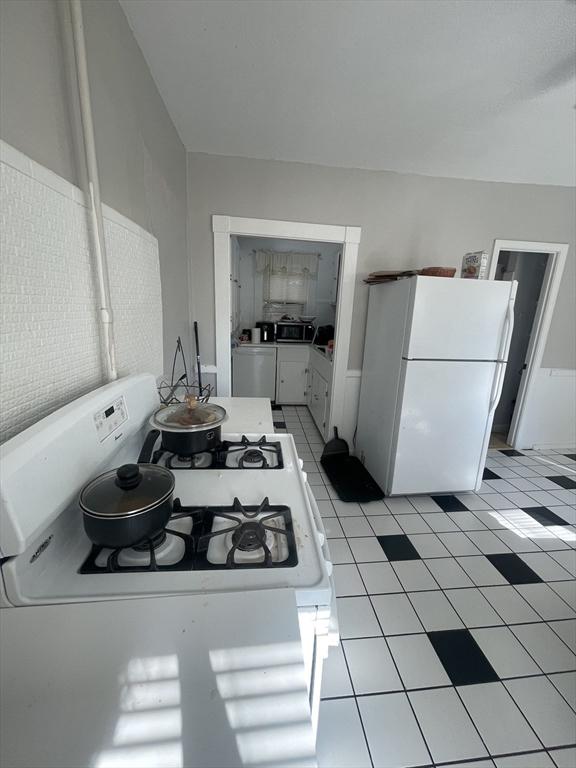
50,347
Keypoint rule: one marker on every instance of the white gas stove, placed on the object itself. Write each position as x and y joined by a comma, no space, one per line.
244,520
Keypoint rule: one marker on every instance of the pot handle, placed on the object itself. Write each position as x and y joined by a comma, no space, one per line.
128,476
146,452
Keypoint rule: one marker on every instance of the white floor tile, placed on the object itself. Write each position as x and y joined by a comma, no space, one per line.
495,500
347,509
473,608
428,545
340,552
534,760
417,662
545,601
487,542
356,618
335,677
399,506
424,504
565,682
491,519
320,491
375,508
392,732
501,724
510,605
435,611
505,652
448,573
564,758
519,499
566,590
367,550
332,528
523,484
356,526
472,501
467,521
546,710
500,486
566,630
545,498
413,524
396,614
414,576
379,578
481,571
326,509
458,544
341,742
384,526
371,666
440,522
547,567
517,542
347,581
315,478
448,730
545,647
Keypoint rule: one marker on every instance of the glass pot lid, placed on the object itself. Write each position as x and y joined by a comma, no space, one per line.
184,417
129,490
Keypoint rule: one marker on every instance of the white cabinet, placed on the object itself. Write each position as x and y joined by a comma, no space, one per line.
318,399
254,372
292,374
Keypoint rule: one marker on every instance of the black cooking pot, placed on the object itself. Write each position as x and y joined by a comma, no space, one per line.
127,506
189,428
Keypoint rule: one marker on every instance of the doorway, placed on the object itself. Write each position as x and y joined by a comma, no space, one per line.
228,228
538,269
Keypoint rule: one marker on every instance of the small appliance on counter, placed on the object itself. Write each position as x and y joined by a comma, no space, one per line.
267,332
295,331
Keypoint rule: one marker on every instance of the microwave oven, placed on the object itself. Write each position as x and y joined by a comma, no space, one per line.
287,330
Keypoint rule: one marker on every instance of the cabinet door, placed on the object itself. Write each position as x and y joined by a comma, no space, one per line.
291,382
318,399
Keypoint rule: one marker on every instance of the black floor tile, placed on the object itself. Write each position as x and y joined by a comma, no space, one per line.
570,456
489,475
450,503
398,547
280,424
462,657
514,569
276,407
564,482
544,516
511,452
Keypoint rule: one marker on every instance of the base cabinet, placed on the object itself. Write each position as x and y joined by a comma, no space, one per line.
318,399
292,375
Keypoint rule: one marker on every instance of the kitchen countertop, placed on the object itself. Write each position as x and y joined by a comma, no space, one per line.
273,344
246,415
188,681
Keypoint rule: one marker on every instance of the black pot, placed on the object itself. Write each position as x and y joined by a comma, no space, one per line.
127,506
189,428
187,443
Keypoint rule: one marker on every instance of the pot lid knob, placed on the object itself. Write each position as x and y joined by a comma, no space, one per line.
128,476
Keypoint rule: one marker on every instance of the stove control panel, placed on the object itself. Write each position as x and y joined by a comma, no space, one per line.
110,418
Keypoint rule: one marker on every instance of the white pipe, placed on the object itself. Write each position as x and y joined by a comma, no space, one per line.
93,192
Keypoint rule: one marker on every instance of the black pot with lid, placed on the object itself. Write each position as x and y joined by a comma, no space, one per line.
128,505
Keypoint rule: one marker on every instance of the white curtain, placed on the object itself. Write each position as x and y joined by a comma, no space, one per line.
287,275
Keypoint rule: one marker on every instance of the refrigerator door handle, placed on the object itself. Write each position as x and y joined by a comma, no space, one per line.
507,331
497,387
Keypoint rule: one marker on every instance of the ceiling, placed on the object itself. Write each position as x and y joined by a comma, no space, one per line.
481,89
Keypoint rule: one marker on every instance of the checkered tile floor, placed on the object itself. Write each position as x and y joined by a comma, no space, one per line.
457,616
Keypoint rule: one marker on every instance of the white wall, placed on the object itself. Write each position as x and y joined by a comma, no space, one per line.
407,221
50,335
141,159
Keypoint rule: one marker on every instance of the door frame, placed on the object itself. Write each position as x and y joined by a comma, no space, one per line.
542,319
223,228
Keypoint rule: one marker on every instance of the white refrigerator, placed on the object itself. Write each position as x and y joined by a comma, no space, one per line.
434,361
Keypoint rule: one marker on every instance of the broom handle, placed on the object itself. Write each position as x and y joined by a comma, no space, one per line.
198,365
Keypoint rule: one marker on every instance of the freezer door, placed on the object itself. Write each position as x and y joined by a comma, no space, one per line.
445,413
454,319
